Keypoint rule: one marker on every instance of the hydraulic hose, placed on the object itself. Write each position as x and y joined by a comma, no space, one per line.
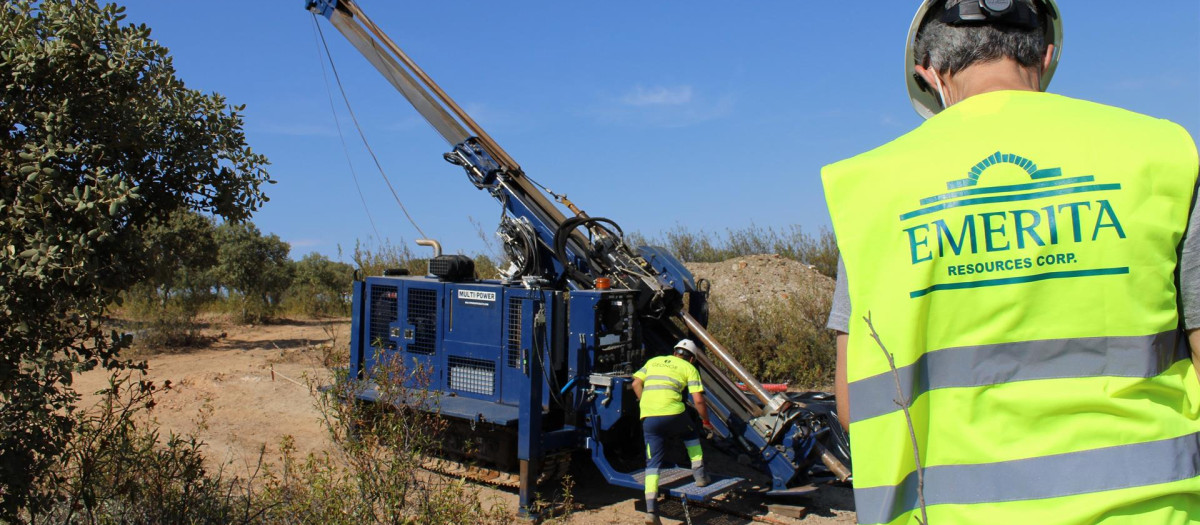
562,235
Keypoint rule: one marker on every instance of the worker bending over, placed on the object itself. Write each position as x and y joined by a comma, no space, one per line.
659,387
1021,256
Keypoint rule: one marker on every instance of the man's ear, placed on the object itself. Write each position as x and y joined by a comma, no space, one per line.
1047,58
927,74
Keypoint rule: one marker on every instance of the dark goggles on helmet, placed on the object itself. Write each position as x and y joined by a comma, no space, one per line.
1016,13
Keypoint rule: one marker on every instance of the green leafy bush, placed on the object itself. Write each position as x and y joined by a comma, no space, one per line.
102,141
180,254
319,287
254,268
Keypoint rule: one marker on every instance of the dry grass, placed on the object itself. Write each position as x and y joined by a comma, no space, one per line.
784,341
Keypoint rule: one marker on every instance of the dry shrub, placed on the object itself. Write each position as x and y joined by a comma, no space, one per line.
486,267
560,504
334,353
118,468
819,250
388,256
168,332
375,474
780,341
161,325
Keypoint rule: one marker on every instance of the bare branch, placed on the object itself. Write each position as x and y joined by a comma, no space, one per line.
903,402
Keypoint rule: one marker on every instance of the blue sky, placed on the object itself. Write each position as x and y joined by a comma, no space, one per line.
704,114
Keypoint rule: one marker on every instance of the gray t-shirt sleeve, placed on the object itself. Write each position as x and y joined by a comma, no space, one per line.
839,314
1189,269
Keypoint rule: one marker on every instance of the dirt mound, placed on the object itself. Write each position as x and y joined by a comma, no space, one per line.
754,280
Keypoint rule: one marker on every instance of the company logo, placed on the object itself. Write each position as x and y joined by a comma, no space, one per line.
1019,242
474,297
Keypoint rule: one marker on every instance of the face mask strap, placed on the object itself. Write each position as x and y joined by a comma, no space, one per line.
941,94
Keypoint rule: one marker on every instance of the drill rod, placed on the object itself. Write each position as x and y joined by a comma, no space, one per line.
771,405
497,152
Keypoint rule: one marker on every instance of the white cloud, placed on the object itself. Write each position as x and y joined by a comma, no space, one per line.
658,96
662,107
305,243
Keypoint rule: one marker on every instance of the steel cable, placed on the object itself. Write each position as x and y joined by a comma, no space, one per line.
342,136
357,126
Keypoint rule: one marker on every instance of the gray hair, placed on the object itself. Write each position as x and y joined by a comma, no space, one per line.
946,48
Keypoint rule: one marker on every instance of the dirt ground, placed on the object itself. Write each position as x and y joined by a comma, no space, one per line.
252,387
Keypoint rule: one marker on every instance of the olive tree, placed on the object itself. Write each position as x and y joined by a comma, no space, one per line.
98,138
253,266
321,286
179,252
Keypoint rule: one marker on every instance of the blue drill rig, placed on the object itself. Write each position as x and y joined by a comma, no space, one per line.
538,364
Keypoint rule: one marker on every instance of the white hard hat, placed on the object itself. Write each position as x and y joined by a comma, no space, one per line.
924,98
686,345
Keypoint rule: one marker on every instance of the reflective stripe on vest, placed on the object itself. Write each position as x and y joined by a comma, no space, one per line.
672,382
1023,361
1097,470
664,379
1016,256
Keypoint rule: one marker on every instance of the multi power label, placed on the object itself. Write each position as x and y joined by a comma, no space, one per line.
477,297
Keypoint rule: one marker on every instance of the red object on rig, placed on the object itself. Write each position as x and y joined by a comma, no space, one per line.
774,388
603,283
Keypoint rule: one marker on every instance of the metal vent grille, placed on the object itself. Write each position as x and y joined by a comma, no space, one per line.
422,315
472,375
514,332
383,314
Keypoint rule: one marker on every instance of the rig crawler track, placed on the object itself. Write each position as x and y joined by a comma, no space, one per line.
557,466
553,469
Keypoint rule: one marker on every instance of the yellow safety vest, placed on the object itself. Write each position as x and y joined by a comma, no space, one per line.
1016,255
664,380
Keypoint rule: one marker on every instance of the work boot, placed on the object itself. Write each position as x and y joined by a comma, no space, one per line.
700,477
652,509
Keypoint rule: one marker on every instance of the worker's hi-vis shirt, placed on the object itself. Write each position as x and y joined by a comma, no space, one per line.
1016,255
664,379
